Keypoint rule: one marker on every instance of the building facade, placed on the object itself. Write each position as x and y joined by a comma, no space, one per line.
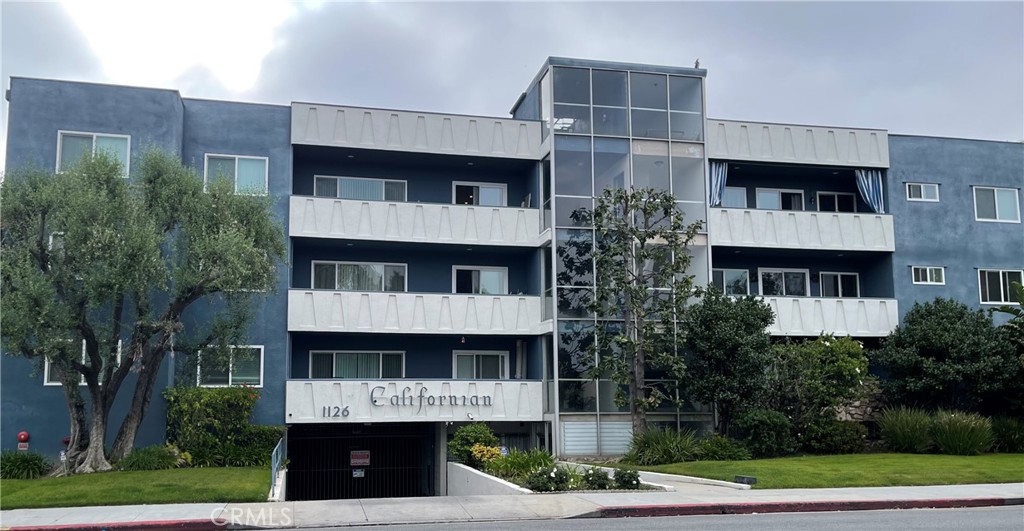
434,272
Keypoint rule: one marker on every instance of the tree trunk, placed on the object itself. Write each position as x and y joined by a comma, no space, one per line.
125,440
94,459
78,439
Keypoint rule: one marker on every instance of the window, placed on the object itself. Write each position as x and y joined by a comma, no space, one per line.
772,199
784,282
836,202
72,146
929,275
50,376
734,197
481,365
996,204
840,285
731,281
995,285
922,192
484,194
483,280
248,174
359,188
361,365
245,367
355,276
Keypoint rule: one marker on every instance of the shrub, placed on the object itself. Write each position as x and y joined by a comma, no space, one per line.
16,464
156,457
596,479
518,465
766,433
484,454
1009,434
905,429
722,448
828,435
658,446
460,447
627,478
959,433
548,480
212,424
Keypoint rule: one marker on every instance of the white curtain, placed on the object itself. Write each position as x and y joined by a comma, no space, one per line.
869,182
716,188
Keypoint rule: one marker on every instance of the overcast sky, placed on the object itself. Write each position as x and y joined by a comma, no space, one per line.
940,69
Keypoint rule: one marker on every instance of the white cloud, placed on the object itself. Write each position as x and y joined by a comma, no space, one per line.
153,43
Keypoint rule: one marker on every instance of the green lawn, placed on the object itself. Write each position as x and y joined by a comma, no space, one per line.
859,470
183,485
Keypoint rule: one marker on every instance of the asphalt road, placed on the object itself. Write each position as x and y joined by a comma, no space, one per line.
982,519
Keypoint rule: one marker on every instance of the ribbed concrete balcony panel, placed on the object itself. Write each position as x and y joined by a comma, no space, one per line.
384,129
797,144
809,316
412,400
787,229
414,313
320,217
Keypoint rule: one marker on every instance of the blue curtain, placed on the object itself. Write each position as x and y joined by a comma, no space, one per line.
717,188
869,182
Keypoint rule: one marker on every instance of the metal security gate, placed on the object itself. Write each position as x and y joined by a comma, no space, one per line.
328,462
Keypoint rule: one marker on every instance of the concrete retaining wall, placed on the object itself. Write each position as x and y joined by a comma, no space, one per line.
467,481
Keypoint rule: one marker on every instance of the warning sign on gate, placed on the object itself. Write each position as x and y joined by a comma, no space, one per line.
359,458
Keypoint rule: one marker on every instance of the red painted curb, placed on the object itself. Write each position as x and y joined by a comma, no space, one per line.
797,507
151,525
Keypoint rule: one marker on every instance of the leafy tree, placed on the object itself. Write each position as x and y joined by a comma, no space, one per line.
641,258
1015,326
946,355
728,349
91,258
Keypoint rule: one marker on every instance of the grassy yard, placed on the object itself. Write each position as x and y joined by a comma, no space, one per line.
183,485
859,470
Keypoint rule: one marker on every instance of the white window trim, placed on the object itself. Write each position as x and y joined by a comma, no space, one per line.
502,186
981,295
312,273
922,199
231,367
502,353
60,146
46,367
1016,197
724,271
762,270
266,169
380,361
780,191
842,295
740,188
927,274
817,198
405,186
500,269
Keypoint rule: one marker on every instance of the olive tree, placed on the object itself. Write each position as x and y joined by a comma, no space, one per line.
91,258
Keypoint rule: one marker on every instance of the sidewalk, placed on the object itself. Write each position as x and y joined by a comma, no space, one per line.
686,498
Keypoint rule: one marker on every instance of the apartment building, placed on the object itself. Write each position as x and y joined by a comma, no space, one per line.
438,263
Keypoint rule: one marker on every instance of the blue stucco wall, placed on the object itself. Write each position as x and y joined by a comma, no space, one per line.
39,108
946,233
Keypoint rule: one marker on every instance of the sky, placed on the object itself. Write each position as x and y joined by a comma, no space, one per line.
928,68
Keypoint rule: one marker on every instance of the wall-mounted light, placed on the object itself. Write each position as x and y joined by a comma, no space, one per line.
463,340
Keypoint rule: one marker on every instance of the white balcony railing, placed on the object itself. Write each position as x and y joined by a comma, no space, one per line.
414,313
342,401
786,229
320,217
797,144
809,316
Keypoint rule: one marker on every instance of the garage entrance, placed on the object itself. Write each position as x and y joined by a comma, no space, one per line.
332,461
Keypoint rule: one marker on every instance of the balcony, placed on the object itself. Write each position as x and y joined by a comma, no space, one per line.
809,316
322,217
797,144
787,229
344,401
414,313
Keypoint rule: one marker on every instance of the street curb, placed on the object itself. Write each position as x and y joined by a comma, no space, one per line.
794,507
150,525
